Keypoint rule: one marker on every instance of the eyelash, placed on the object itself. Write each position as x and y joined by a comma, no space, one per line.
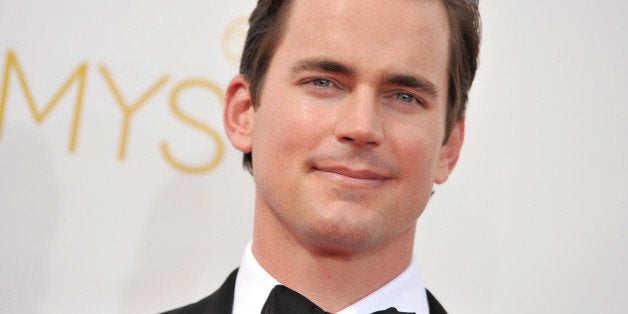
325,81
322,87
320,83
412,98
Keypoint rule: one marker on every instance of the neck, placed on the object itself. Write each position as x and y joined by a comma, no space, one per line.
329,276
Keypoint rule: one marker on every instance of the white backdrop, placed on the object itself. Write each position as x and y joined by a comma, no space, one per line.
133,202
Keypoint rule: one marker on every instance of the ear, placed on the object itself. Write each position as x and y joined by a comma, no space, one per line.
238,114
449,153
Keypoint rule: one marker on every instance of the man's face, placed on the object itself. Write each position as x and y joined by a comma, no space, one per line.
347,138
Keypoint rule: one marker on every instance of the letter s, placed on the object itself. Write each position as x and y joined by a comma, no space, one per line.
197,124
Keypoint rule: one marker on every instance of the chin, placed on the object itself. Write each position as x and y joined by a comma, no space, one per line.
344,238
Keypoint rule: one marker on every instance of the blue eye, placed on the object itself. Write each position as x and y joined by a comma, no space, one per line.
405,97
321,82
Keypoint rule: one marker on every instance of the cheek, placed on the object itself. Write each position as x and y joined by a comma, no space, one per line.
419,163
418,152
293,115
284,128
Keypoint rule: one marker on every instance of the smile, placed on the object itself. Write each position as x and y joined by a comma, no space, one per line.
352,178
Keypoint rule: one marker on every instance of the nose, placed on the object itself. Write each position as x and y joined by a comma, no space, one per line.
359,121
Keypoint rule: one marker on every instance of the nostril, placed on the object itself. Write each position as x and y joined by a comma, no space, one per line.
359,125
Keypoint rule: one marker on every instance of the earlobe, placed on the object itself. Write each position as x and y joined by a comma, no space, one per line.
450,151
238,114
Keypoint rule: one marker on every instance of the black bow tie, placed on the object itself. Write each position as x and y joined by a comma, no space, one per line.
283,300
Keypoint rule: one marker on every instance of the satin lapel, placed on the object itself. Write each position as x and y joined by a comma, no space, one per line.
219,302
222,299
435,307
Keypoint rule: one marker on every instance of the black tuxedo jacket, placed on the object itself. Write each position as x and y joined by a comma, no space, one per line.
221,301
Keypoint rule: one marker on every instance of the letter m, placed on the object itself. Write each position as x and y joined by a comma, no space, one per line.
12,66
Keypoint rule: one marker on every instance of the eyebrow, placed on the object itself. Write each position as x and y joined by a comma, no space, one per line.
419,83
323,65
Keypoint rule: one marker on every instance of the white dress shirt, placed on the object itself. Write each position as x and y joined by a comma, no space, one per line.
405,292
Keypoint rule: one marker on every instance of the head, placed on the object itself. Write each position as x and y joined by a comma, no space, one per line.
267,26
348,117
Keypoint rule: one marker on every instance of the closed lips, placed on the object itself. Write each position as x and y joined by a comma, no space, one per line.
356,174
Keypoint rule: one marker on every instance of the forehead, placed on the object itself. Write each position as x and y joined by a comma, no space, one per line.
371,35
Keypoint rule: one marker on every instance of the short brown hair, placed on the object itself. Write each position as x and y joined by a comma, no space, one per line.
267,25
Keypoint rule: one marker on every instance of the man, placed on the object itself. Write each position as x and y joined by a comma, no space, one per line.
348,112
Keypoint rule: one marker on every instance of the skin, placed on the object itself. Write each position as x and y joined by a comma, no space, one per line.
347,143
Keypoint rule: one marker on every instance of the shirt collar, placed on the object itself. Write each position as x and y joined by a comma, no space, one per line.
406,292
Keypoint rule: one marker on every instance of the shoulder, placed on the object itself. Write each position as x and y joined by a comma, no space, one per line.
218,302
